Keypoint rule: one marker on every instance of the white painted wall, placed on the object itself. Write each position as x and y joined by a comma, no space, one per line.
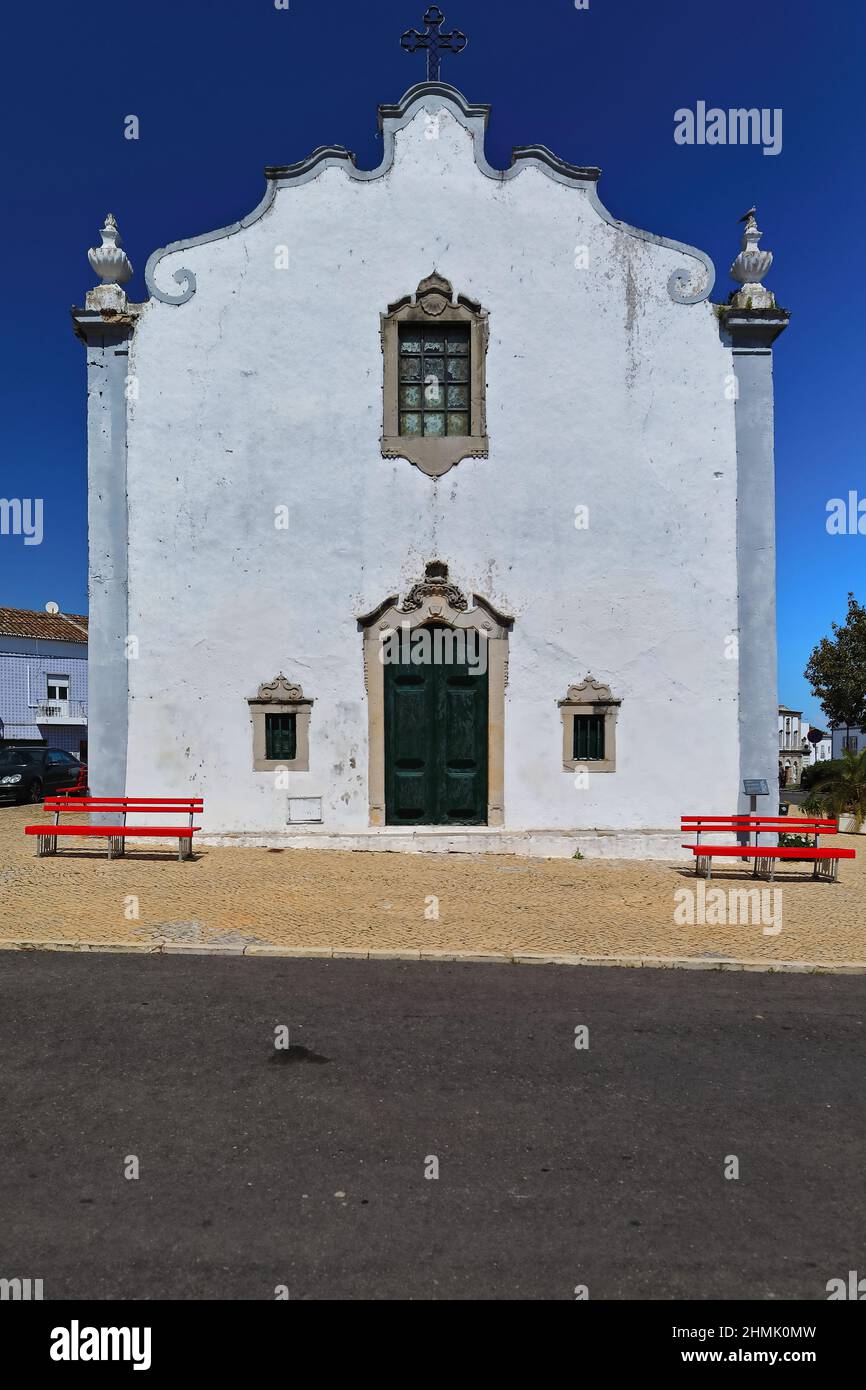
856,740
792,732
265,389
819,752
822,752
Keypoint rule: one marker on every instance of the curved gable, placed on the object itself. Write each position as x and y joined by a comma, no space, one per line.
688,284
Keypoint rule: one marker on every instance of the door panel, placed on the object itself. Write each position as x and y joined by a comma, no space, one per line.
435,745
463,771
409,767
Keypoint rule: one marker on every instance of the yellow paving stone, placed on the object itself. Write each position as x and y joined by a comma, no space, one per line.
356,905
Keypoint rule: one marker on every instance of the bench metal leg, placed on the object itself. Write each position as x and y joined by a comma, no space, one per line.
703,861
827,869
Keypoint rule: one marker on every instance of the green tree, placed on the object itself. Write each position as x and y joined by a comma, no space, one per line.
836,670
840,788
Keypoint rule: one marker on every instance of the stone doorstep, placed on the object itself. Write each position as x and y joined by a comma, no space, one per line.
656,844
176,948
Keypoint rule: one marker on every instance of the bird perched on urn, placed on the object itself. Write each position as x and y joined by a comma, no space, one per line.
750,267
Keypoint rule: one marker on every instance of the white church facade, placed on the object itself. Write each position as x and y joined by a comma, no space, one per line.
431,507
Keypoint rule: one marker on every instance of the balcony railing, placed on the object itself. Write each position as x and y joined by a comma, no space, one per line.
61,712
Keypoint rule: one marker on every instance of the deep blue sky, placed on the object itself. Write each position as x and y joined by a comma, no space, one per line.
224,87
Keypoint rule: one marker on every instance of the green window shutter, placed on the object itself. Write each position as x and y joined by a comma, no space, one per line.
281,737
588,738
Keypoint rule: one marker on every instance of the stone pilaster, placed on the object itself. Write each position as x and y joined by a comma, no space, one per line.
106,325
752,333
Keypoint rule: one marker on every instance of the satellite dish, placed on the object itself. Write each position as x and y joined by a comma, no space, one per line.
52,608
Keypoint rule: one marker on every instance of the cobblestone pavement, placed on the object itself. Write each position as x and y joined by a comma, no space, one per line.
383,901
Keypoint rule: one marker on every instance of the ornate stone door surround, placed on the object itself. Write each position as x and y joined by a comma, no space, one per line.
435,599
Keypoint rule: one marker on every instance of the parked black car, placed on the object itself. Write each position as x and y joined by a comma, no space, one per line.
28,774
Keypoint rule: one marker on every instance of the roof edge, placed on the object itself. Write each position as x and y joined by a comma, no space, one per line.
55,627
682,287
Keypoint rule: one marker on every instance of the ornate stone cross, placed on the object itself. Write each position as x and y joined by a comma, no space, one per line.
435,42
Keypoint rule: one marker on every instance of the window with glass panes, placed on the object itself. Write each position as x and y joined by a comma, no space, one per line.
434,380
588,738
281,737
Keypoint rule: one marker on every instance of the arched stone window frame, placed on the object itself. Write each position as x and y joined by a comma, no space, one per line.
433,305
435,600
280,696
590,697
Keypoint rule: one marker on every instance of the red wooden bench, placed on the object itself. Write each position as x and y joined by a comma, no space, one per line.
117,834
825,861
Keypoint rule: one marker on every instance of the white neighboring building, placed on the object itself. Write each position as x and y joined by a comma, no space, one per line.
433,393
817,745
843,738
792,754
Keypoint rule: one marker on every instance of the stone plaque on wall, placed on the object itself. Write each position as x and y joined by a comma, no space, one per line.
305,809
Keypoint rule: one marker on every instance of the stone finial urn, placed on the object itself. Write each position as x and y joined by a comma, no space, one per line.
750,267
109,261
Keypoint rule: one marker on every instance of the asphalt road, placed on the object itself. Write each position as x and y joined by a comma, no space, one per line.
558,1167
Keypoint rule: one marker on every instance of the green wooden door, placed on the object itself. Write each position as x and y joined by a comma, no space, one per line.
435,745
